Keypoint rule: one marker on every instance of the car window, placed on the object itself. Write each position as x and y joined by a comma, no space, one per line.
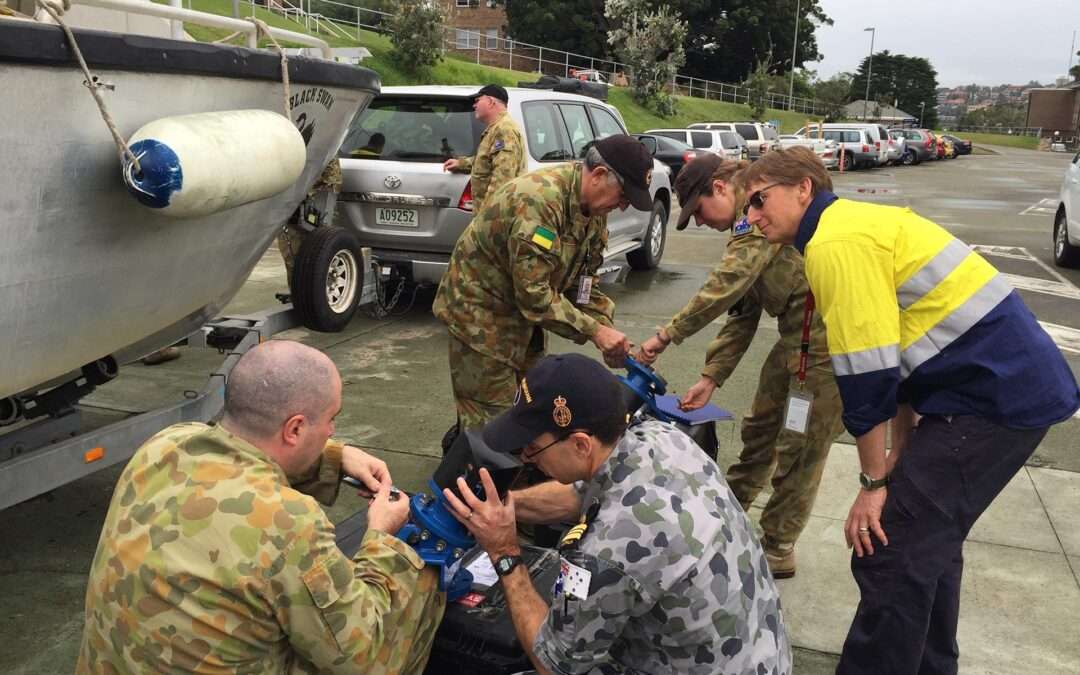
413,130
546,133
853,137
649,142
606,124
728,140
701,139
747,131
672,145
770,133
883,133
577,125
677,135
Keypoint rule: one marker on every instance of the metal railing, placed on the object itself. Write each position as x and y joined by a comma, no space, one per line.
522,56
1004,131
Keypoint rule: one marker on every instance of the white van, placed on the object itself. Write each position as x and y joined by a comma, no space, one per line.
878,135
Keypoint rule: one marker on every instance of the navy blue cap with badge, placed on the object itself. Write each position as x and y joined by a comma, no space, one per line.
562,393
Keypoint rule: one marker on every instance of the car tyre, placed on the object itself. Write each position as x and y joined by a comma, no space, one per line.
328,277
909,158
652,246
848,162
1065,254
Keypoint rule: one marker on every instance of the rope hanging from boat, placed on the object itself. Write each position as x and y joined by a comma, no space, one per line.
265,30
55,8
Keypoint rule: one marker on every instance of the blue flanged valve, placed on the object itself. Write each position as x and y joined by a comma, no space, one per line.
643,385
439,539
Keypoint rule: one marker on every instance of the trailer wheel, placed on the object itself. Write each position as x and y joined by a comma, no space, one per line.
327,279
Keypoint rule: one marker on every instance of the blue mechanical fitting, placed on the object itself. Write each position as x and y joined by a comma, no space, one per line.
646,385
439,539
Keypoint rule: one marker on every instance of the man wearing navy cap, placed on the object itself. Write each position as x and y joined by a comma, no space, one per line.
500,157
662,575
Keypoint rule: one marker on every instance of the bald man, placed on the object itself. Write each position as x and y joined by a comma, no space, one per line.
216,557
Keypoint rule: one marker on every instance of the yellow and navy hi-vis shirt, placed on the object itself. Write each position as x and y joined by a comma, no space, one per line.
914,316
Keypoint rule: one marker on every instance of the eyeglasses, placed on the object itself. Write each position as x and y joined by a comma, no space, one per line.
522,452
757,200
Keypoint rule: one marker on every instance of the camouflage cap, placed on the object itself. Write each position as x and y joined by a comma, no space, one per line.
692,182
632,161
560,394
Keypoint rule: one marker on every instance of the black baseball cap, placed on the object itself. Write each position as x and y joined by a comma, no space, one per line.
629,158
692,182
494,91
560,394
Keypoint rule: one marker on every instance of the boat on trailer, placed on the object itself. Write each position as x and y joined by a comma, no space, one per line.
89,276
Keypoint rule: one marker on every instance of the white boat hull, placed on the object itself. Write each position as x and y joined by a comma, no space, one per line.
85,270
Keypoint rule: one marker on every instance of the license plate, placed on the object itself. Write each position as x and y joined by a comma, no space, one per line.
396,216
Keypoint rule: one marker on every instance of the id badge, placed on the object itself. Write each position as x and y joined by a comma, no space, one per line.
797,411
584,289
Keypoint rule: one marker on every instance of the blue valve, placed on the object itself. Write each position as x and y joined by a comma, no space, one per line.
646,385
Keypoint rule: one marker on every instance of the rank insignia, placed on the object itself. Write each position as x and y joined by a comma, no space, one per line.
561,413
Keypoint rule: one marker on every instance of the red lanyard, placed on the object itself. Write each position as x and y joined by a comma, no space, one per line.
804,348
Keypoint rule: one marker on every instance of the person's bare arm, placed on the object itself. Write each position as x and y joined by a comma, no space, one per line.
545,503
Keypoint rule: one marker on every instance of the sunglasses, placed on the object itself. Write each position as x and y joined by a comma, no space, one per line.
757,200
526,454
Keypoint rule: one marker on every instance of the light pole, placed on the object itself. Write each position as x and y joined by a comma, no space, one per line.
922,107
794,51
869,71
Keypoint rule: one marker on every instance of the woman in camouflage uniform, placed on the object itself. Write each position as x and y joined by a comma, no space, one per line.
754,276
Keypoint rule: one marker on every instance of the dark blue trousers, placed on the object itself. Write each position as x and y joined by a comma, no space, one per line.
910,590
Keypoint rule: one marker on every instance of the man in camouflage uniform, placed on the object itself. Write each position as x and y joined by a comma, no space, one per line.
500,157
664,575
754,276
311,213
215,559
528,263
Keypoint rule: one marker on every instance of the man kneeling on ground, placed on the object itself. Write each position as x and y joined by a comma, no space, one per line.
664,575
214,558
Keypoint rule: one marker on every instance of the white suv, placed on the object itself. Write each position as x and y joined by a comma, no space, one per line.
397,199
760,138
1067,220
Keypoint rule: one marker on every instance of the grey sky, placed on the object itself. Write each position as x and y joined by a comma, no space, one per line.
980,41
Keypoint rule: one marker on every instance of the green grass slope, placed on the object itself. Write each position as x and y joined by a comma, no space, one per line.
458,71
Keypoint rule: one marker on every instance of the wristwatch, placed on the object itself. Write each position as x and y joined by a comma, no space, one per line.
506,564
869,483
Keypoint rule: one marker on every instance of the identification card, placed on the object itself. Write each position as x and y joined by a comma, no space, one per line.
584,290
573,580
797,411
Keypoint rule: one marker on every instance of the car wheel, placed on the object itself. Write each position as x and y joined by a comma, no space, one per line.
1065,254
652,246
909,158
327,279
848,162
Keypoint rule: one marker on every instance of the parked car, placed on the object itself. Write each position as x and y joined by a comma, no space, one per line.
945,149
701,141
877,135
675,154
398,200
962,147
856,150
826,150
1067,219
918,145
897,148
760,138
735,146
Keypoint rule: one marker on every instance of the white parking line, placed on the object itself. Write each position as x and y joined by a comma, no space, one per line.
1043,207
1061,290
1067,339
1014,252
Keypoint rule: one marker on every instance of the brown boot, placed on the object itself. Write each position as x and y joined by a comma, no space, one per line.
161,356
781,559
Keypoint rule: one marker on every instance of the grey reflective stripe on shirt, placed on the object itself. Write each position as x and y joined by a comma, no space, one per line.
866,361
932,273
954,325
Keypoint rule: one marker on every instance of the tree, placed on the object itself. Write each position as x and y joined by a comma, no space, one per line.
909,80
995,116
650,43
577,26
417,34
1074,72
833,95
758,84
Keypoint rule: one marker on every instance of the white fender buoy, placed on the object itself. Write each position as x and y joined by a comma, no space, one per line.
194,165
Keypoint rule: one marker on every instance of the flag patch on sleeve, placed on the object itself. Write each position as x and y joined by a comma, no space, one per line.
544,238
742,227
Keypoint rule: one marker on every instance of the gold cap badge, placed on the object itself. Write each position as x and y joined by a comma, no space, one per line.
561,414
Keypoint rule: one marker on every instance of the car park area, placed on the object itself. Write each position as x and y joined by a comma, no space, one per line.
397,401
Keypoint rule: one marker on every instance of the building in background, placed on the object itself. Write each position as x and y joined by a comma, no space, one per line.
1056,109
886,115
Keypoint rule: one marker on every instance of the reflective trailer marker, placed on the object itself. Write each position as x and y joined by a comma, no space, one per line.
93,455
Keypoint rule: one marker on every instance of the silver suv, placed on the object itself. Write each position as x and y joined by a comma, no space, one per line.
398,200
760,138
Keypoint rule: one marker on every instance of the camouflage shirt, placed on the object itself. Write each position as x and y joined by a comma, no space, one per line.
520,263
679,581
753,275
499,158
210,562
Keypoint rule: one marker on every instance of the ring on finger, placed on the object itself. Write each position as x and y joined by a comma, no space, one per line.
864,530
470,515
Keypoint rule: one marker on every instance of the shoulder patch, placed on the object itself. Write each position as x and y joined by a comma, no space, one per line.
544,238
742,227
498,145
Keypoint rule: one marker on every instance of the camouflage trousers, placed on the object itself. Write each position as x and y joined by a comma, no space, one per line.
288,242
793,461
407,653
483,387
